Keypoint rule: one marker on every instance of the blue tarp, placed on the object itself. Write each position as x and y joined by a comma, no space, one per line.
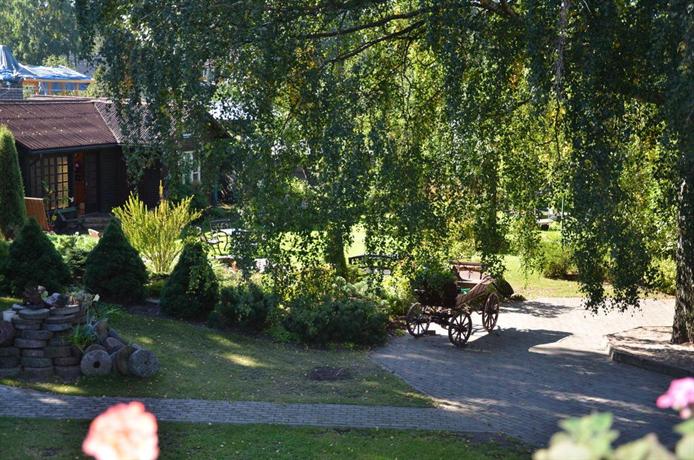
12,71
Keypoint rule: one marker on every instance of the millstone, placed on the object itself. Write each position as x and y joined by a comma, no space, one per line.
68,372
143,363
96,362
20,323
7,333
56,300
69,310
59,341
58,327
113,344
120,361
27,343
60,319
10,372
9,351
94,347
58,352
8,362
33,326
67,361
36,362
27,313
33,352
17,307
36,335
39,372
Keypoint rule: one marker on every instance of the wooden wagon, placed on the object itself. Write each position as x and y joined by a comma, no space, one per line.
473,292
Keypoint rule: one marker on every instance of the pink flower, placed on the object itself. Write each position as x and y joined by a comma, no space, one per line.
680,396
123,432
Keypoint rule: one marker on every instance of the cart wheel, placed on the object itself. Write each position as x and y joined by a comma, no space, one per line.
459,329
490,314
417,320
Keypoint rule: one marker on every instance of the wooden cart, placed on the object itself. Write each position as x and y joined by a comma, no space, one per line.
473,292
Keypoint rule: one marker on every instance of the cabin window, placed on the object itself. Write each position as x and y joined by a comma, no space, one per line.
193,176
49,178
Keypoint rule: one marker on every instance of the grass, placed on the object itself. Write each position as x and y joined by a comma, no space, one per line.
203,363
34,439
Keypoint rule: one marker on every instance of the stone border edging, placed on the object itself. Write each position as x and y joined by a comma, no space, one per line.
625,357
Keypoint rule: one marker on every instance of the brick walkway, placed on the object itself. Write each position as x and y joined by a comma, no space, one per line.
16,402
547,362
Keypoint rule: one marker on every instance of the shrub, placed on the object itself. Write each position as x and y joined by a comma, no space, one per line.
156,234
155,286
557,263
33,260
347,320
74,249
665,276
4,256
12,209
246,306
192,290
434,285
114,270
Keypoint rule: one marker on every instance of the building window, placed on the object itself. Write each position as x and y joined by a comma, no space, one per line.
193,176
49,178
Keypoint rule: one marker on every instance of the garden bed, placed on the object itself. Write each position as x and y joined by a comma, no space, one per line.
203,363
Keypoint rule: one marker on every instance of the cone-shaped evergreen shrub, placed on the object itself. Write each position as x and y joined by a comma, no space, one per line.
34,261
114,269
12,210
192,290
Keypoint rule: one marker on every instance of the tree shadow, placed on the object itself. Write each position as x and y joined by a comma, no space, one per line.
537,309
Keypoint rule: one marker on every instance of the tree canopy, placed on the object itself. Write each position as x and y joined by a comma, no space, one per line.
430,122
40,31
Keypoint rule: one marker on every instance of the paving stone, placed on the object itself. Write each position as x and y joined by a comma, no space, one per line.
38,372
34,352
9,361
58,327
8,373
68,372
67,361
36,335
27,343
9,351
34,315
36,362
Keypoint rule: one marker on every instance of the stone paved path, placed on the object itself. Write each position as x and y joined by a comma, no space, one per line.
16,402
547,362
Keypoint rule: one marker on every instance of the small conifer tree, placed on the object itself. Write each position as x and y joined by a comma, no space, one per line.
12,210
33,260
114,269
192,290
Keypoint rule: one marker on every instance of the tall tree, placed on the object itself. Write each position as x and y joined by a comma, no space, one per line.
40,31
421,119
12,209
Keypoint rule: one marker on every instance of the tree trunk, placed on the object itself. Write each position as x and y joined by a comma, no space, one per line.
683,325
335,252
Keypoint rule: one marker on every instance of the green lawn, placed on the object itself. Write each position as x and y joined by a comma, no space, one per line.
199,362
33,439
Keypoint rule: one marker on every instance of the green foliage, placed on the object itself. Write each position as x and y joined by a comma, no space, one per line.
155,286
12,209
557,262
434,284
74,249
665,276
4,260
114,269
340,320
247,306
82,336
33,260
591,438
431,122
38,30
156,233
192,290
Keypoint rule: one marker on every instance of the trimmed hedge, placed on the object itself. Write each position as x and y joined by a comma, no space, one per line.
246,306
192,290
33,260
12,209
114,269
